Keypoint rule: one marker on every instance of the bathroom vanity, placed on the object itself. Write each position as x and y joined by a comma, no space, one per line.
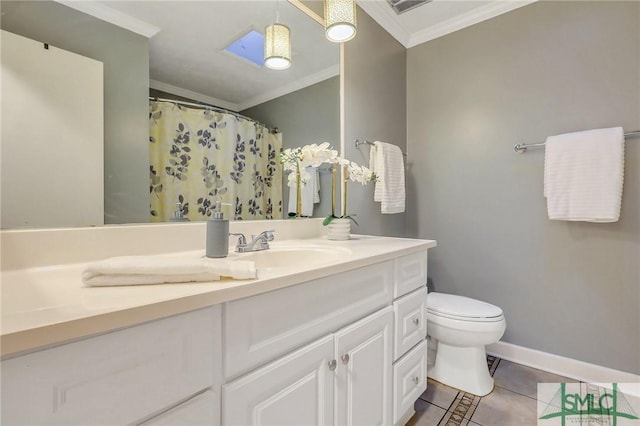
336,335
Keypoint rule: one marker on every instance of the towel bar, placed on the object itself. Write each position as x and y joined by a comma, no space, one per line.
521,147
366,142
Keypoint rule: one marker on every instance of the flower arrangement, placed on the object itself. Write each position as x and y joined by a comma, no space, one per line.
296,160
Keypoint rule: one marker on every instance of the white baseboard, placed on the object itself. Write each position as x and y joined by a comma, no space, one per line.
563,366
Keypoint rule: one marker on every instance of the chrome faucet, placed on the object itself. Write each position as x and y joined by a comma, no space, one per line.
261,242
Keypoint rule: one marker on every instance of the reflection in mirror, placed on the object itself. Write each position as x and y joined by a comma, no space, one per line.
302,102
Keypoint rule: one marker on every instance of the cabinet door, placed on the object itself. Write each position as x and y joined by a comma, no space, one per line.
203,409
115,378
296,389
363,380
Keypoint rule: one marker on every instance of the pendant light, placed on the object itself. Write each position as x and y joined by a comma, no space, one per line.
277,45
340,20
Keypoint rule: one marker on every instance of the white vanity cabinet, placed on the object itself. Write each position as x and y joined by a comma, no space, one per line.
343,349
123,377
342,373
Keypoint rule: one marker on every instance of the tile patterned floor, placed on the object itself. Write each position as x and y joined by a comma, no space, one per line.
512,402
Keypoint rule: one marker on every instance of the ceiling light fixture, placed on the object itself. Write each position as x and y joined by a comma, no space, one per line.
277,45
340,20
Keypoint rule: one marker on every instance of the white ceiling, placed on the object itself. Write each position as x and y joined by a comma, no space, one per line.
187,40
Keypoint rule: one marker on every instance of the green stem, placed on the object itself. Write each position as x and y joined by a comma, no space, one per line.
298,192
344,190
334,173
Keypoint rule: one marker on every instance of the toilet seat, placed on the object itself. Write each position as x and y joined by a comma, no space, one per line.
462,308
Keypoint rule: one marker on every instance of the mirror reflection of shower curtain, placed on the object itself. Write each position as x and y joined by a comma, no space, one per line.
199,156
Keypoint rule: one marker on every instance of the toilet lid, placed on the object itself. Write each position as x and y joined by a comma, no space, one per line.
461,307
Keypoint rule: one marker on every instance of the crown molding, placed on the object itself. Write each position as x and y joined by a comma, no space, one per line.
291,87
115,17
382,13
257,100
472,17
185,93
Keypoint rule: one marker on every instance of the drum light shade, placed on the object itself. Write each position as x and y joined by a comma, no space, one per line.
277,47
340,20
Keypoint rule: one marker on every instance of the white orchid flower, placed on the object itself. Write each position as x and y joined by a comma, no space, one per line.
359,174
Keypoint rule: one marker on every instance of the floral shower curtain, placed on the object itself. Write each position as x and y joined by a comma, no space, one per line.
199,156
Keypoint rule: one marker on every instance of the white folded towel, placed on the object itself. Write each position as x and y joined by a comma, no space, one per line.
310,193
387,162
583,175
134,270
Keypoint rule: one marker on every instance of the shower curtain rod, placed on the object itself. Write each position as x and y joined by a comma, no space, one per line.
214,108
522,147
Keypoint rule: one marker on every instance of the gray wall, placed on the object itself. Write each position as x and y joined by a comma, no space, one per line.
567,288
126,83
310,115
375,109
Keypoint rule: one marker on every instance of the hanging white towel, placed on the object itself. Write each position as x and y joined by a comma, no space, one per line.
387,162
310,193
583,175
135,270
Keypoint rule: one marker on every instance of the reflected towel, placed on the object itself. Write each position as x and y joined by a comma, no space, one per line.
310,193
387,162
583,175
135,270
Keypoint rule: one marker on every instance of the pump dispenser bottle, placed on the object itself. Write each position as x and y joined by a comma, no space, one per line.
217,234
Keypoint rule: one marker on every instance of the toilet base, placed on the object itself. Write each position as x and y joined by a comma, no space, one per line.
463,368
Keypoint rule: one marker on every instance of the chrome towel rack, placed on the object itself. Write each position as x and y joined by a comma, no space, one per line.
366,142
521,147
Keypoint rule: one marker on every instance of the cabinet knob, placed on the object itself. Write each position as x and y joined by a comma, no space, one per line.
416,380
345,359
416,321
333,364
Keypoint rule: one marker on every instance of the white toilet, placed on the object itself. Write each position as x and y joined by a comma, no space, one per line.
461,327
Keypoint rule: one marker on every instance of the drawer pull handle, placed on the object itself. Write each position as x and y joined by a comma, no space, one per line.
345,359
416,321
333,364
416,380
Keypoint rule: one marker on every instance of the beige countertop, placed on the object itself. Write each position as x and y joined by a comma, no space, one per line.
48,304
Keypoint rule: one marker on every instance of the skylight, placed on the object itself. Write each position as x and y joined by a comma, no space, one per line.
250,47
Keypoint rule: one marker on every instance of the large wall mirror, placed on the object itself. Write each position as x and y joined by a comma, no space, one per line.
186,61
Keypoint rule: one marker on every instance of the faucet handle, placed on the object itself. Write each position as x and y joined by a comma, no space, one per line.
242,240
269,234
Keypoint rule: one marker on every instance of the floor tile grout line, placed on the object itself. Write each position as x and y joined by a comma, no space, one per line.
518,393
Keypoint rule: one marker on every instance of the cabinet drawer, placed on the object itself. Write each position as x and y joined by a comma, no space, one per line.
410,317
115,378
203,409
260,328
410,273
409,382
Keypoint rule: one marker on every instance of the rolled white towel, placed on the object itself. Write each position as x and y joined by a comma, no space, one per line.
137,270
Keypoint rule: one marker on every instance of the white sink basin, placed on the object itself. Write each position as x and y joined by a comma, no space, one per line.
295,257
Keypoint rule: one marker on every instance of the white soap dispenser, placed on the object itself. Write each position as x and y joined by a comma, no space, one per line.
217,233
